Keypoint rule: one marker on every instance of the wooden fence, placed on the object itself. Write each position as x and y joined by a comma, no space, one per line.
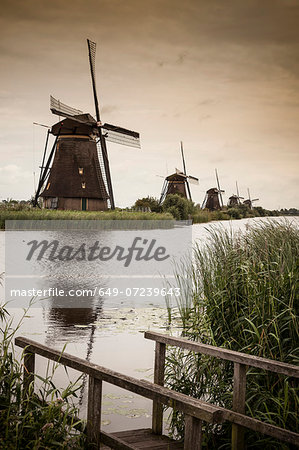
195,410
241,362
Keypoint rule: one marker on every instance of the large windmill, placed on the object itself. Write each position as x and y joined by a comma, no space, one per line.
213,199
80,177
235,200
248,202
178,182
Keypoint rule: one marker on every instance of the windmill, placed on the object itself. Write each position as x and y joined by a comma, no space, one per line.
178,182
249,201
235,200
211,200
80,177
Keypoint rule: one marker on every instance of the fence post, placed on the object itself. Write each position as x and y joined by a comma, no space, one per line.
29,367
239,395
193,433
157,418
94,405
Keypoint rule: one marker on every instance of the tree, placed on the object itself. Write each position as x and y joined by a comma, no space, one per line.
180,207
148,202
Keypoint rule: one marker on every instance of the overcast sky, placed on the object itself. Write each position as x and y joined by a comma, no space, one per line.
220,75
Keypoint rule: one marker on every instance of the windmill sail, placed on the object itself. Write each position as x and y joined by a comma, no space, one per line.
120,135
61,109
193,180
219,189
92,62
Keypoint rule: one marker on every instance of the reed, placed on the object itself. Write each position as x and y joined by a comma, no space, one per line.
244,297
41,419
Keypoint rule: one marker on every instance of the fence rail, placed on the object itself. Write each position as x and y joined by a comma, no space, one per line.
195,410
241,362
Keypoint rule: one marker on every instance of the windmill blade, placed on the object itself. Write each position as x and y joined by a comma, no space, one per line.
193,180
45,170
92,62
61,109
41,125
219,189
204,202
183,158
92,55
185,173
179,172
119,135
238,194
248,193
254,199
163,192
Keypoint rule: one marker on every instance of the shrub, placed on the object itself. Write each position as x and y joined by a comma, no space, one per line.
148,202
183,205
235,213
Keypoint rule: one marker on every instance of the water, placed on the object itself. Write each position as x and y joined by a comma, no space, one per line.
111,335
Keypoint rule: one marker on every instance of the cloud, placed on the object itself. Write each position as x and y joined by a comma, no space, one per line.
221,76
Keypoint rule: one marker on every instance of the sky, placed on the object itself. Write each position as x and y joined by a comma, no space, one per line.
220,75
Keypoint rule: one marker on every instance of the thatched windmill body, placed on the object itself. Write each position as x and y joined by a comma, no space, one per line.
213,200
235,199
80,178
178,182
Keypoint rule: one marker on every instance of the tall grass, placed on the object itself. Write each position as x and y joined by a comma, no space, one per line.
48,214
245,298
44,418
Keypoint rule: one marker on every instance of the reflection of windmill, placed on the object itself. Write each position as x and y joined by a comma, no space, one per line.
235,200
178,182
249,201
80,174
211,200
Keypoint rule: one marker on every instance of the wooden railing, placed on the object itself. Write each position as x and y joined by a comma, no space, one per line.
241,362
195,410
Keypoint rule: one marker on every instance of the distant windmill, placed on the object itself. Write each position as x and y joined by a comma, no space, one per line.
235,200
249,201
211,200
178,182
80,174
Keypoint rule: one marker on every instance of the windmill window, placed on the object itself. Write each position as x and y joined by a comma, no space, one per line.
81,170
83,185
48,185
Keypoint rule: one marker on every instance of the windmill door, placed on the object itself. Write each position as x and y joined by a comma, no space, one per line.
84,203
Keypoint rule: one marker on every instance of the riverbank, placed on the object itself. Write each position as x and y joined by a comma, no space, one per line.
48,214
201,216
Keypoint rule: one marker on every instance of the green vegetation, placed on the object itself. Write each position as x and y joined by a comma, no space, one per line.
148,202
182,209
240,293
175,206
45,419
50,214
178,206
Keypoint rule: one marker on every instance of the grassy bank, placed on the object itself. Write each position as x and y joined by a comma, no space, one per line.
243,296
239,212
47,214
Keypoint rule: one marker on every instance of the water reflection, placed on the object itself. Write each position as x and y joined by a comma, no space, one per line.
73,324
